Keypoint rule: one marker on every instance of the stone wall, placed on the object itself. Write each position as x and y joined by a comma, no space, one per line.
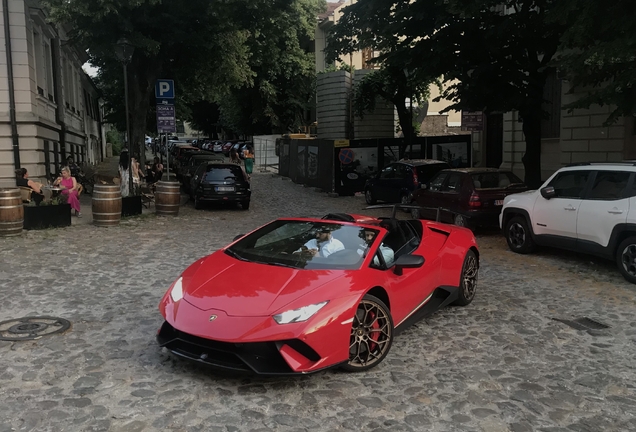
332,106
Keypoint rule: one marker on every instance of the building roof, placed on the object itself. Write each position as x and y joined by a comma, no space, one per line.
331,7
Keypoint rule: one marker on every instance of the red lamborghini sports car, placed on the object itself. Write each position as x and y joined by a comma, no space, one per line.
299,295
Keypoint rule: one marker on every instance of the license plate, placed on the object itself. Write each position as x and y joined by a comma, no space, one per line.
225,188
498,202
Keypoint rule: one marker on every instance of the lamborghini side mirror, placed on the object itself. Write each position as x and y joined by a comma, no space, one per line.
407,261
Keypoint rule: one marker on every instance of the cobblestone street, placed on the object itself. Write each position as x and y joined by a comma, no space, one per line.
501,364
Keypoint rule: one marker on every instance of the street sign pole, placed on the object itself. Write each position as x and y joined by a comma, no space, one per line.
167,159
166,116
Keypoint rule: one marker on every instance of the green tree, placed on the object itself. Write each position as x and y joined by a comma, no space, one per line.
205,116
493,54
598,54
279,37
193,42
395,86
367,25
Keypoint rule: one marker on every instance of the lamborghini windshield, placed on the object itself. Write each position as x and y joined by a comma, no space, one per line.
306,245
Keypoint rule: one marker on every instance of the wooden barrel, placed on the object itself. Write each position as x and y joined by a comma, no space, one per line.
167,198
11,212
106,205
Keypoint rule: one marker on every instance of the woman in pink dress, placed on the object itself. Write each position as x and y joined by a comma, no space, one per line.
69,187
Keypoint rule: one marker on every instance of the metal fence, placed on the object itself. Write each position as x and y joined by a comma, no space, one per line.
265,152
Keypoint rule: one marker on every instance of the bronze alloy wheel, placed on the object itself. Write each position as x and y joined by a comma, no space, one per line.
469,277
371,334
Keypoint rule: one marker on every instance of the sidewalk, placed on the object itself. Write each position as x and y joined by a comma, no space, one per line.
106,170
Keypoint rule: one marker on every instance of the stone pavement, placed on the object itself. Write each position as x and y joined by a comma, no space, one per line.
500,364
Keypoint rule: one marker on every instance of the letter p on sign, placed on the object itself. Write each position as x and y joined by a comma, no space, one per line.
164,89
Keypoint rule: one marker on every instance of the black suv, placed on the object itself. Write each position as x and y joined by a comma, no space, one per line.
397,181
220,182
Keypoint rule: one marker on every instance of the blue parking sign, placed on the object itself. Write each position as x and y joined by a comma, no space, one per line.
164,89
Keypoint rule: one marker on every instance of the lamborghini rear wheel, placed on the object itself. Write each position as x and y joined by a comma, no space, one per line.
371,334
468,283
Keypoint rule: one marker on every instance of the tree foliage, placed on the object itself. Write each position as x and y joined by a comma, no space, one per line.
395,87
279,45
249,57
493,54
599,54
371,24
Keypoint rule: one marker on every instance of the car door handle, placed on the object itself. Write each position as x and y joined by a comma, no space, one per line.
615,211
570,208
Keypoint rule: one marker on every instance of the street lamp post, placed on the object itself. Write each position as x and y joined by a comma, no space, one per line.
124,51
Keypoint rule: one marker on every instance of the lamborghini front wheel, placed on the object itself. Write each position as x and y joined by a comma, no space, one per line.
371,335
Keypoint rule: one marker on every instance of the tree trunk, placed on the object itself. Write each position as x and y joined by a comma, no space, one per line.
532,130
144,75
406,123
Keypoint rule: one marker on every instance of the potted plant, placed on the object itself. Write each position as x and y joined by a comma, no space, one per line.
49,214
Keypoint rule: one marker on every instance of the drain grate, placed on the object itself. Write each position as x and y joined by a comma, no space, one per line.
31,328
583,323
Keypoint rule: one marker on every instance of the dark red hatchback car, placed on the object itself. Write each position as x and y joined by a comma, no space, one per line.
468,197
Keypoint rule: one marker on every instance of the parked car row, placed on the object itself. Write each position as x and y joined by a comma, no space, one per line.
467,197
589,208
207,177
219,146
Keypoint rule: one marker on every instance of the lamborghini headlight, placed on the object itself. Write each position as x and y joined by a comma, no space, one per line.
299,315
176,293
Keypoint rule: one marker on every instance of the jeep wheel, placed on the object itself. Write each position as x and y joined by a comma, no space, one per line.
626,259
518,235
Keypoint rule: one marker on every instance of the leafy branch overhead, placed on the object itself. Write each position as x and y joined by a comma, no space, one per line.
497,56
211,48
598,54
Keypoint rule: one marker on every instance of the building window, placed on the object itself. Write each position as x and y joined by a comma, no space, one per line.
551,126
50,83
40,68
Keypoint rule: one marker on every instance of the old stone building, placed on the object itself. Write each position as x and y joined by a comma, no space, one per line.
49,107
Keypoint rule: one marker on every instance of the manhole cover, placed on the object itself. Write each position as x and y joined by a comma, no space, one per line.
583,323
30,328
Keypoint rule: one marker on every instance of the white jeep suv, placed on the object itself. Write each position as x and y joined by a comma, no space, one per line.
588,208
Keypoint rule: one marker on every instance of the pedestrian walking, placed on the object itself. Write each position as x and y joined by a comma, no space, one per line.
248,155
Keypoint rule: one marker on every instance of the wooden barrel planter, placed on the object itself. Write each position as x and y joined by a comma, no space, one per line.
106,205
11,212
167,198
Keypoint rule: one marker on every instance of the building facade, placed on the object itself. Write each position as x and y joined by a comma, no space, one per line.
570,136
49,107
